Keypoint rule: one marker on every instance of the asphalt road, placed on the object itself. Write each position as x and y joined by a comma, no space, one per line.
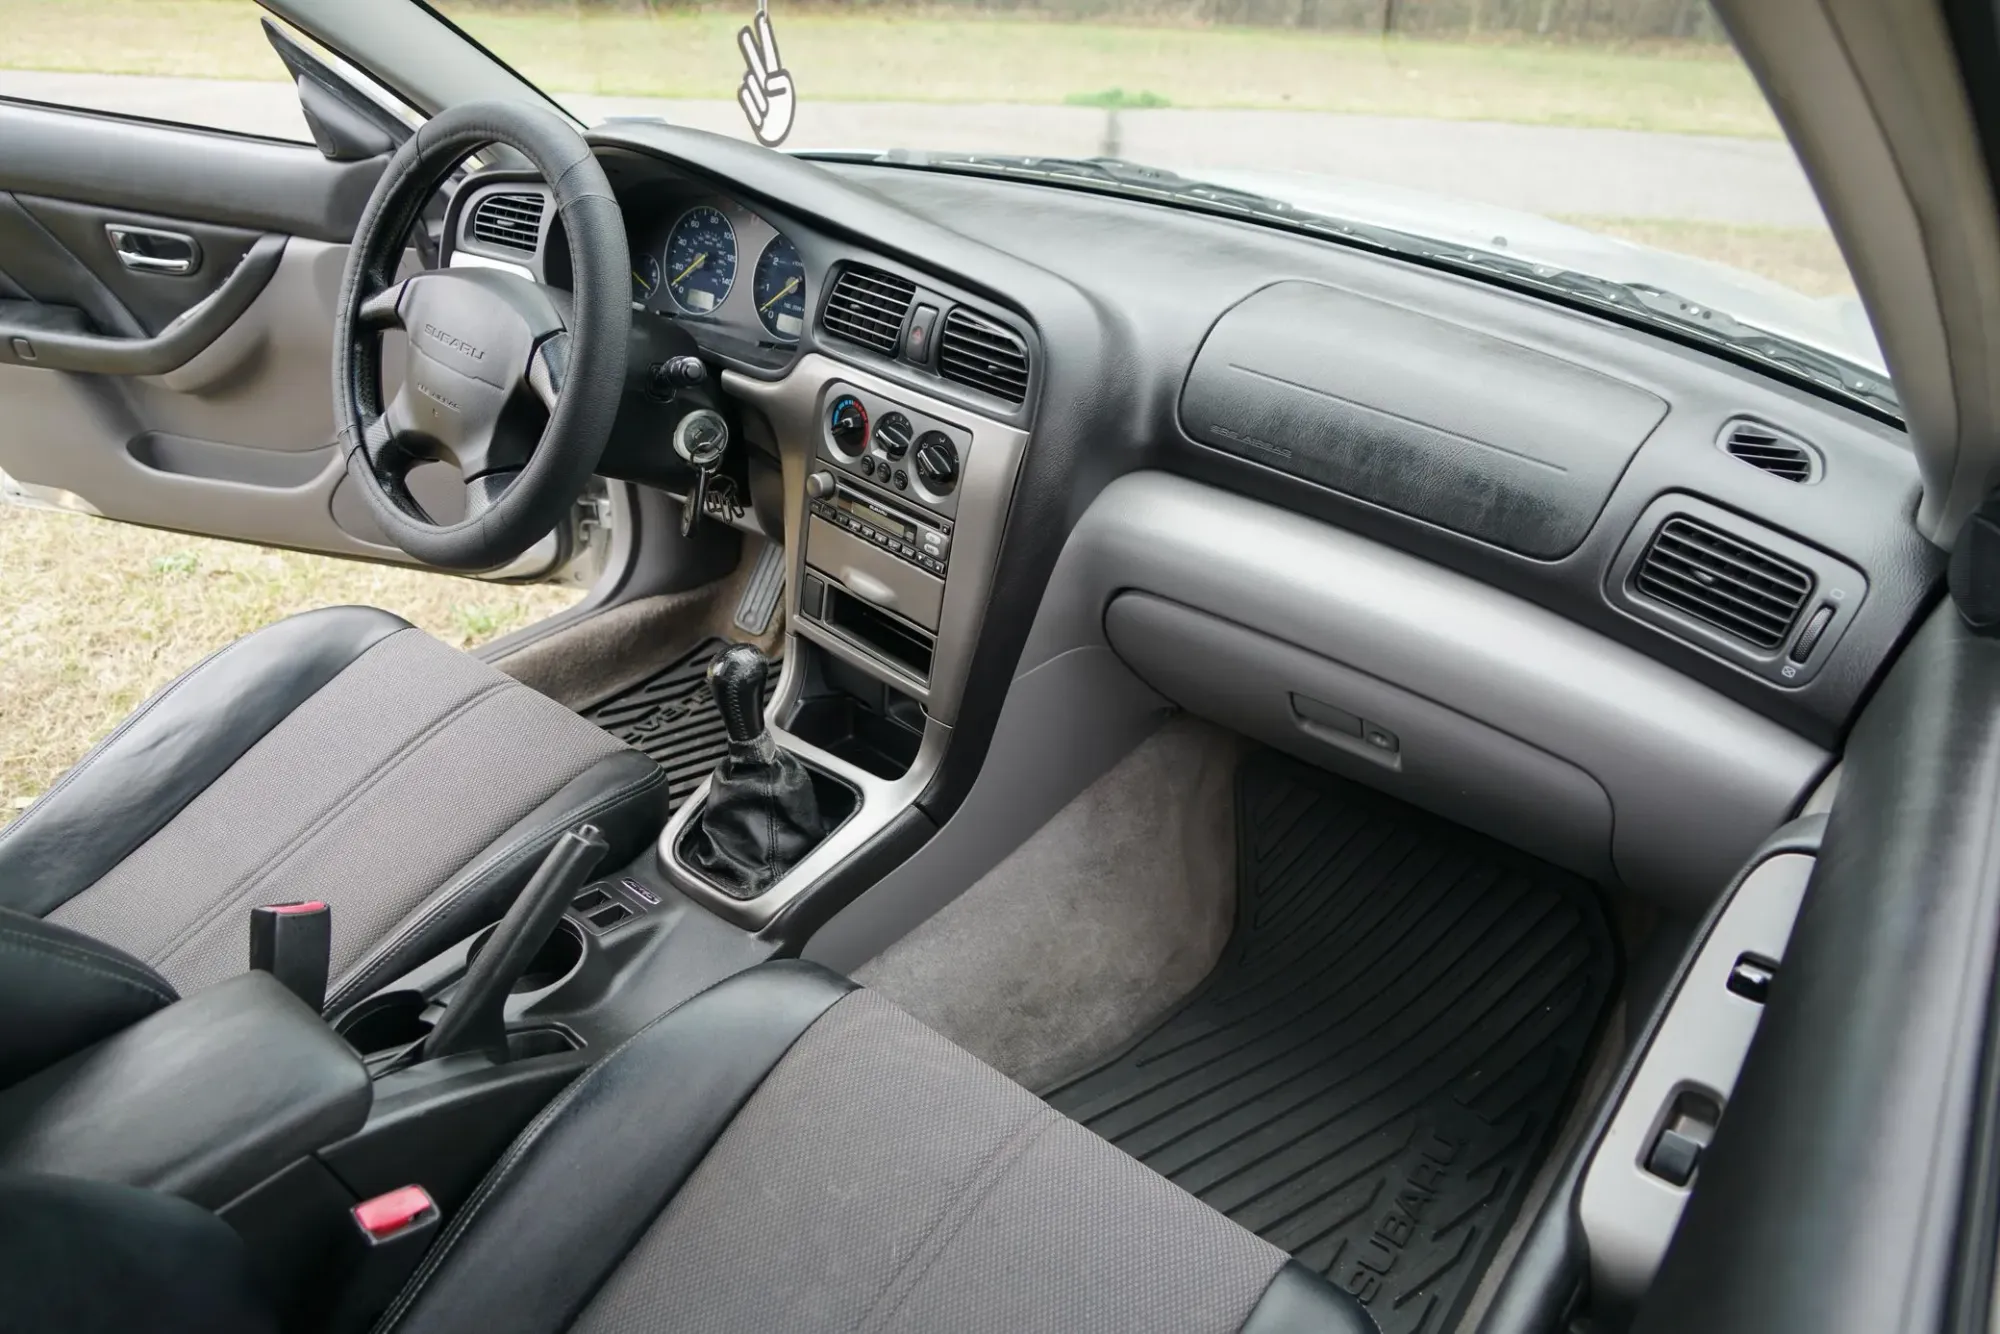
1537,168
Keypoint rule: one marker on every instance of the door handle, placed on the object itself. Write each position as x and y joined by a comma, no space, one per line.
150,250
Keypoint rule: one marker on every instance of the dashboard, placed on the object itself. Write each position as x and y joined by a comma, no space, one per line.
1580,507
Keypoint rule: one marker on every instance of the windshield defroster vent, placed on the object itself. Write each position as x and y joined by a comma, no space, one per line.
511,222
868,307
1742,590
983,354
1776,452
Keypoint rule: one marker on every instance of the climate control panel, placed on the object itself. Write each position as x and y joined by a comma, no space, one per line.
913,457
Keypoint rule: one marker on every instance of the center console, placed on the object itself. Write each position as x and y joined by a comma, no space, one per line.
894,504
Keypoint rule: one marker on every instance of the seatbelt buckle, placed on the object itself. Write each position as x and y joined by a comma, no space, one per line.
391,1232
293,942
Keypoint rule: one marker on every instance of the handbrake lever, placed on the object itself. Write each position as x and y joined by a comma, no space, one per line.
476,1019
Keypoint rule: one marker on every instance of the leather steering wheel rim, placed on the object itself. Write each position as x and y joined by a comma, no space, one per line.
483,346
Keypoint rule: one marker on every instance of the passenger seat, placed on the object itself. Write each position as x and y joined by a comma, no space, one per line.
786,1152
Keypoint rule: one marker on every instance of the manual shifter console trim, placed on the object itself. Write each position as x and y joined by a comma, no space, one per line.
881,802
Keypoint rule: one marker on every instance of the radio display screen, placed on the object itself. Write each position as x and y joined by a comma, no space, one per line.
894,525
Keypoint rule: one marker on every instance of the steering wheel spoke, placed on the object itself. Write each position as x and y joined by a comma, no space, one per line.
548,368
384,310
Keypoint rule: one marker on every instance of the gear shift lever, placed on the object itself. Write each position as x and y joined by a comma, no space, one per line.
762,814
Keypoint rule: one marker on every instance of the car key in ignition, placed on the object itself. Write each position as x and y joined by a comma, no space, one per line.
702,438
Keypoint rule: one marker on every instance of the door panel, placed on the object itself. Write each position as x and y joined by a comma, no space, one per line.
197,401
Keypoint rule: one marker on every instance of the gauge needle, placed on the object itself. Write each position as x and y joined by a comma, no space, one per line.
783,292
697,262
641,281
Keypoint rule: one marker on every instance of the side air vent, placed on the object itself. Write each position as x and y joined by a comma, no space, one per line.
1740,589
983,354
511,222
1776,452
868,307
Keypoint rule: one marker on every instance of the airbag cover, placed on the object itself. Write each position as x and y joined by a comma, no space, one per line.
1473,433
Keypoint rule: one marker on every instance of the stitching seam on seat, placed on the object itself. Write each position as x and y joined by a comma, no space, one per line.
473,879
955,1215
83,961
263,872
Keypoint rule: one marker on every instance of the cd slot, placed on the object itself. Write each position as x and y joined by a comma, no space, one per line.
891,637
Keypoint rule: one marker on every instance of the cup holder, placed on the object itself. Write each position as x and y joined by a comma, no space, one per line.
554,961
387,1022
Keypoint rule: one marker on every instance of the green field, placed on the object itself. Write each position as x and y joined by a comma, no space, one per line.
1696,88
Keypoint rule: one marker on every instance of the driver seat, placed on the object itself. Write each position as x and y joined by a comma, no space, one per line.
340,755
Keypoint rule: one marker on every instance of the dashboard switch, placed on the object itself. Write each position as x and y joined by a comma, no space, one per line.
917,343
819,485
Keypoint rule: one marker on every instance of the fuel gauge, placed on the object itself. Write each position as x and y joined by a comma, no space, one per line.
645,277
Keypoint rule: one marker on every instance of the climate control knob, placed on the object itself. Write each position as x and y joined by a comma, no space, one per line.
847,424
937,462
893,434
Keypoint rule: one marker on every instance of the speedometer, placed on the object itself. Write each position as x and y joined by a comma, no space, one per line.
780,288
701,260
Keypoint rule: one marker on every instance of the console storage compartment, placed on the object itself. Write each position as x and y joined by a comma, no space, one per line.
204,1099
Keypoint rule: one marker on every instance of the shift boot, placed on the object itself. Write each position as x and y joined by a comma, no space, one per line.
762,814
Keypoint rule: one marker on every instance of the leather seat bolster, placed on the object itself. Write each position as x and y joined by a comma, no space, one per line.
588,1178
624,795
1299,1301
60,991
181,740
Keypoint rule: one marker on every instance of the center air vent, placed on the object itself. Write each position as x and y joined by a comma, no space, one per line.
511,222
983,354
1740,589
868,307
1776,452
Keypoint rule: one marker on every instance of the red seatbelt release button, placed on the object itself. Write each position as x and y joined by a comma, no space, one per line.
396,1212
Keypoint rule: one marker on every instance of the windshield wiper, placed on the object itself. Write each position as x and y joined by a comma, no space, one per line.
1636,302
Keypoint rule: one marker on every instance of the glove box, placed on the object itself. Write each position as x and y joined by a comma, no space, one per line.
1367,729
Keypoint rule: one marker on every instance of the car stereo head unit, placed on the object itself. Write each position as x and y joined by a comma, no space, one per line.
921,539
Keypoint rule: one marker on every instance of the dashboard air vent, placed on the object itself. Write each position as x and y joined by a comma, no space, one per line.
984,354
512,222
1740,589
1773,450
868,307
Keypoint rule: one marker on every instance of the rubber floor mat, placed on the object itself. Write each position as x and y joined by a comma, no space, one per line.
671,716
1375,1068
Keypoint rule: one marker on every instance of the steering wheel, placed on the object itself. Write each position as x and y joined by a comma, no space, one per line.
515,383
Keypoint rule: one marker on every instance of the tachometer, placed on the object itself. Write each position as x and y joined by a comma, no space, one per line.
701,260
780,288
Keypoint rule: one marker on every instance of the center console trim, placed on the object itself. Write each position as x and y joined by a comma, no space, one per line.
882,800
985,492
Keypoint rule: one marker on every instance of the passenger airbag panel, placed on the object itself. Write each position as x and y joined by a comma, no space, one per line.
1444,423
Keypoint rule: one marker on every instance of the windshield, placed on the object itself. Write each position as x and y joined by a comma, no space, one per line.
1623,140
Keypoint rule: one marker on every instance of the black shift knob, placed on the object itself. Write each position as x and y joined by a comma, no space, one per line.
736,679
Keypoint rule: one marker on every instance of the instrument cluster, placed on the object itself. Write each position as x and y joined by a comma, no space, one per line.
715,263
